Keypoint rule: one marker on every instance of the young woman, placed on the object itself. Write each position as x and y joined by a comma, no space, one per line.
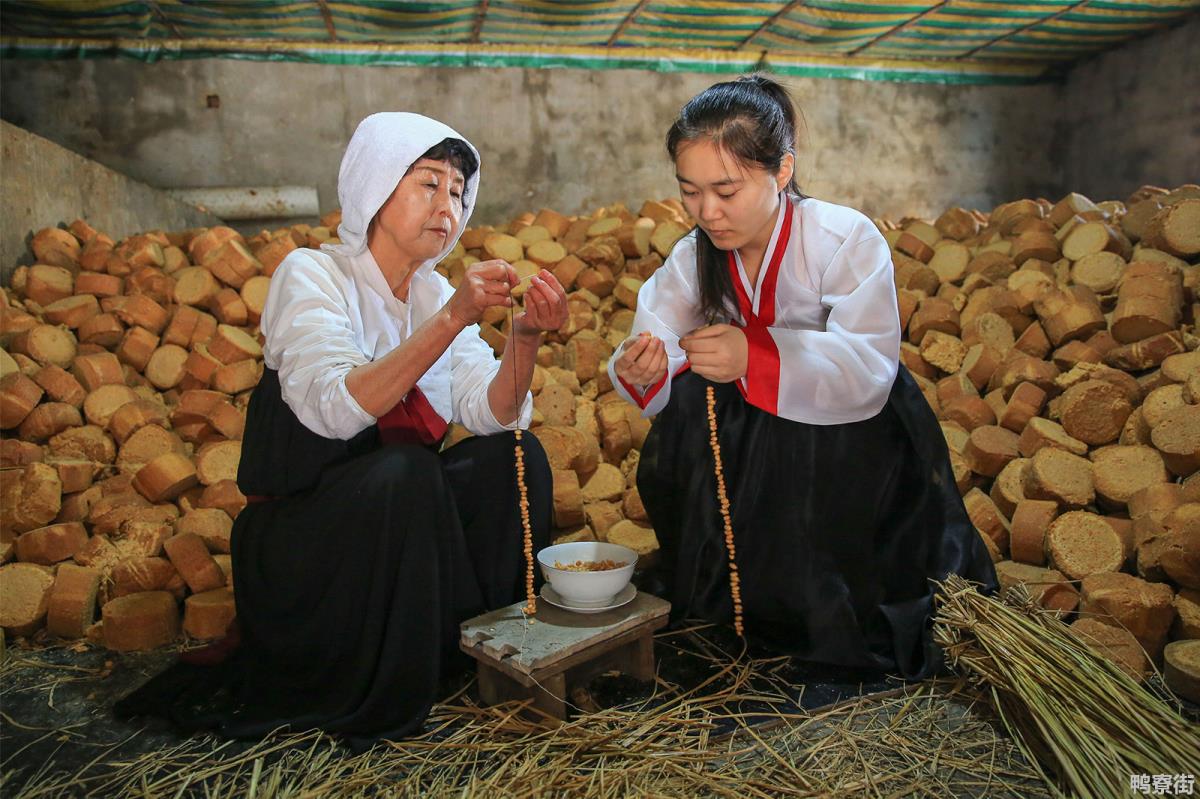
843,502
363,545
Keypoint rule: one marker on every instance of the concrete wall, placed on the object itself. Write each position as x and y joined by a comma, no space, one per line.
1132,115
44,185
569,139
577,139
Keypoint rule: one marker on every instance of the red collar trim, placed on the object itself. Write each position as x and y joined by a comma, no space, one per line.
766,304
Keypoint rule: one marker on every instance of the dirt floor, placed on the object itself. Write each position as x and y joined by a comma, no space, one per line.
60,738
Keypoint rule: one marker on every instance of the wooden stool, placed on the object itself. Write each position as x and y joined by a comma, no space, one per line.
544,658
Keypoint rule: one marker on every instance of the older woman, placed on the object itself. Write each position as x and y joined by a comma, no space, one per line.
363,546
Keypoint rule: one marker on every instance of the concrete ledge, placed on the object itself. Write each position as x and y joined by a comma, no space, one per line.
45,185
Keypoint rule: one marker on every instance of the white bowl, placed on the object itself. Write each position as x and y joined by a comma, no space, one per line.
587,588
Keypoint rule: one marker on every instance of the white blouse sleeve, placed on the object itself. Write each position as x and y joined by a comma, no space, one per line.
844,372
668,307
310,342
473,366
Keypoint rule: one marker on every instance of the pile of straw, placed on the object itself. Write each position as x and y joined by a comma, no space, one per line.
739,733
1084,723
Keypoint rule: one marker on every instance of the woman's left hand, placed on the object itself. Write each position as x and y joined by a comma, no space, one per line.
545,306
717,352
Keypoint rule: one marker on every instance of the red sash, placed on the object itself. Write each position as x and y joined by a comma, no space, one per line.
412,421
762,362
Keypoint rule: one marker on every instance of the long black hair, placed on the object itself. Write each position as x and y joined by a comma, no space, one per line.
753,119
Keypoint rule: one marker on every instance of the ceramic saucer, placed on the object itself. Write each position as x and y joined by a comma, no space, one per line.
623,597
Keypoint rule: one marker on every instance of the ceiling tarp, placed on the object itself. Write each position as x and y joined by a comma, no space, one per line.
953,41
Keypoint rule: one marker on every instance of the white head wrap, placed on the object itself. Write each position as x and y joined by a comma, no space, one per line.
381,151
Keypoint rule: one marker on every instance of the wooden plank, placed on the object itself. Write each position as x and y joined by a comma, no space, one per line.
574,661
625,22
480,16
634,658
631,653
328,17
555,634
550,696
604,648
912,21
158,12
769,21
1023,28
496,687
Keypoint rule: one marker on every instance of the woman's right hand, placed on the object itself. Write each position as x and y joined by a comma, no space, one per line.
484,284
643,360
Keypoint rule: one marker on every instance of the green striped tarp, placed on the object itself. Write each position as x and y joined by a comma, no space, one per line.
980,41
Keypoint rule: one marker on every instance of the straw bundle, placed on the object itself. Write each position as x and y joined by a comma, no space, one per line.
1082,721
724,726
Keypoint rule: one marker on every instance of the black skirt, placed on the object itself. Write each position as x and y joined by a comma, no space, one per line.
350,585
838,529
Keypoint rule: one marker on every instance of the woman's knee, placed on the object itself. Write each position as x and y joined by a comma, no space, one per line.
689,395
498,452
395,465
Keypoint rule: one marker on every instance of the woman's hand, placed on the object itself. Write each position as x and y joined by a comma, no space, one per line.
485,284
545,309
643,360
545,306
717,352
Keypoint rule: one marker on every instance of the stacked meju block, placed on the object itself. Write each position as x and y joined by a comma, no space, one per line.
1054,340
